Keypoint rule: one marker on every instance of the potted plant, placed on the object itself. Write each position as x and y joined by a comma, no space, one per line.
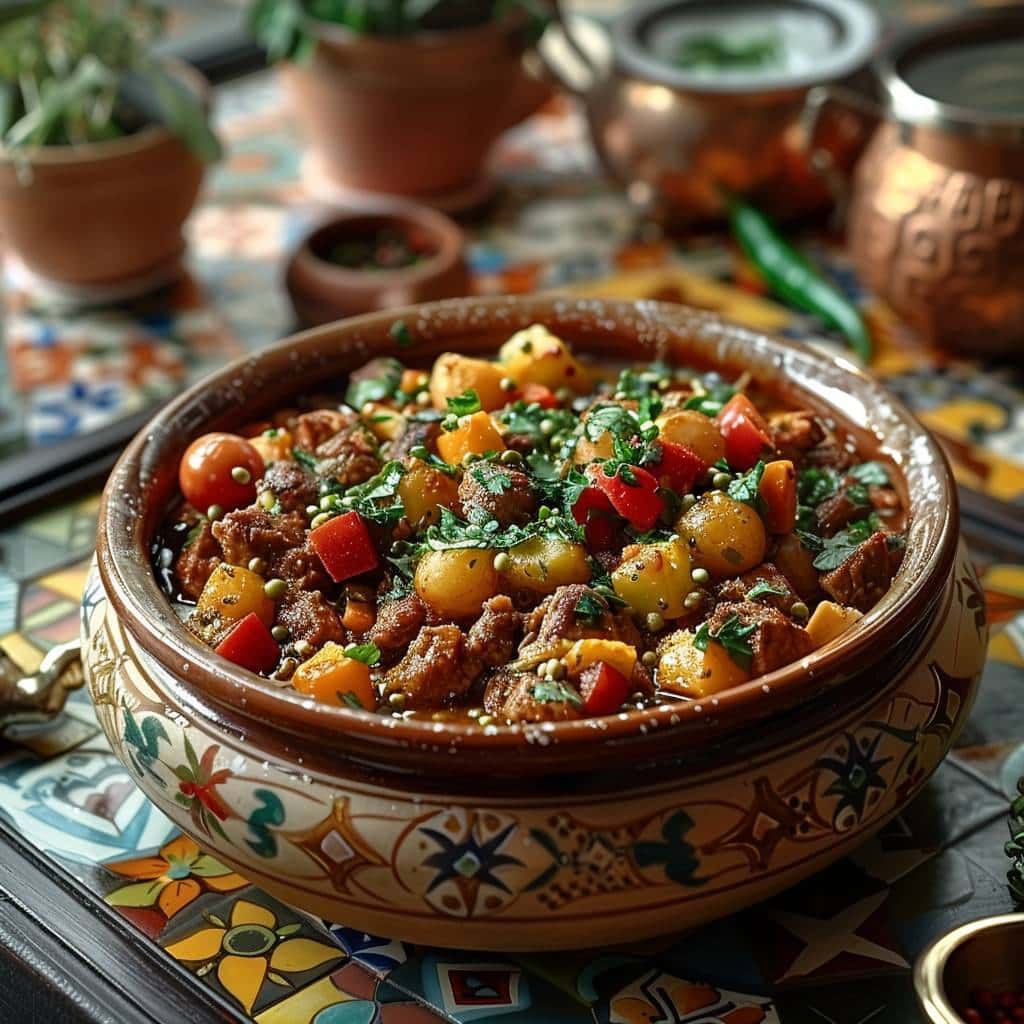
404,96
102,145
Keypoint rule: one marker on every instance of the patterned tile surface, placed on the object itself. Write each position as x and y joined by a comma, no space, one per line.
802,957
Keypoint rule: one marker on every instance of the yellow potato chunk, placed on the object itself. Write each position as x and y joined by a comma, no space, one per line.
453,374
725,536
543,564
696,431
232,592
332,677
585,653
456,583
385,422
655,578
829,621
274,445
690,672
476,433
536,356
424,490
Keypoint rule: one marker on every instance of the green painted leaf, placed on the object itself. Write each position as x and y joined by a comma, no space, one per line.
141,894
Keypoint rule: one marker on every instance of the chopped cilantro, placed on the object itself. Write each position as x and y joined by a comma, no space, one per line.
351,700
364,498
382,417
816,485
422,453
523,418
491,479
611,419
465,404
732,636
762,588
831,552
711,402
858,494
870,473
590,609
368,653
305,459
385,383
541,466
550,691
484,532
746,487
401,334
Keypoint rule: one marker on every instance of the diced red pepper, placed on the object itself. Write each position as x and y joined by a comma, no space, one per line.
345,546
679,467
637,502
593,511
747,436
543,396
250,645
603,689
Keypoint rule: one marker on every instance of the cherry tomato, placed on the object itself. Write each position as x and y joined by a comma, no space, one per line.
544,397
637,501
747,436
220,469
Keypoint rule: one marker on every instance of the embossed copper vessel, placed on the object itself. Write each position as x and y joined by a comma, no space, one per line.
937,211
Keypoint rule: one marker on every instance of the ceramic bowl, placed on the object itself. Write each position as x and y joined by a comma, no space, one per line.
322,291
555,835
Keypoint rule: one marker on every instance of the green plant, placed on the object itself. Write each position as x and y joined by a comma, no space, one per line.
78,71
1015,846
280,25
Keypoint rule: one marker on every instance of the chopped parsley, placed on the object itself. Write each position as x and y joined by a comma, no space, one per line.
491,479
858,494
307,460
762,588
422,453
732,636
551,691
385,383
870,474
368,653
453,532
590,609
542,468
816,485
465,404
351,700
365,498
712,401
746,487
831,552
401,334
523,418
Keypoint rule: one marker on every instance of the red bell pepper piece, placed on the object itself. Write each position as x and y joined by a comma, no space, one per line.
603,689
747,436
250,645
593,511
638,502
678,468
345,546
543,396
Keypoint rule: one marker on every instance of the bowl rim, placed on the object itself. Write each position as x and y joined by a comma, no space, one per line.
123,553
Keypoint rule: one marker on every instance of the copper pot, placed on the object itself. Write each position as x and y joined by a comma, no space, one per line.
937,210
678,139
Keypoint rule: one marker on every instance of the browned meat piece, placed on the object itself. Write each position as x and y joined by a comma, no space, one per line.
796,563
493,638
555,619
775,642
522,443
251,532
350,456
839,511
434,671
736,589
397,624
416,432
301,567
196,560
209,626
884,500
865,576
311,429
309,617
830,454
795,433
290,484
504,494
520,697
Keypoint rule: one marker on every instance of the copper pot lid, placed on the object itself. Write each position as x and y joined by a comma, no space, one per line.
705,46
964,74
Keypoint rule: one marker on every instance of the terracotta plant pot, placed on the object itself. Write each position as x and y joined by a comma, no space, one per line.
322,291
411,116
103,212
556,835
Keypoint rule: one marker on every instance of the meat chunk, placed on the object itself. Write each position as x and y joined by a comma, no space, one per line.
493,638
308,616
829,453
196,560
291,485
434,670
865,576
350,456
302,567
312,429
416,432
796,563
520,697
555,619
251,532
735,590
795,433
499,492
776,641
397,624
522,443
839,511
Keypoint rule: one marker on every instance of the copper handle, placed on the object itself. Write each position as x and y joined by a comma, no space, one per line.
27,700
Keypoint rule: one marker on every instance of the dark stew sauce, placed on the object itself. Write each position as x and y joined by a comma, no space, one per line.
528,539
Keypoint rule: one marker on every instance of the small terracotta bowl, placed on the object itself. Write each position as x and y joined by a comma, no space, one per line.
322,290
982,954
555,835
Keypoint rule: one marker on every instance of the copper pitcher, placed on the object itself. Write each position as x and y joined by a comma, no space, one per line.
936,216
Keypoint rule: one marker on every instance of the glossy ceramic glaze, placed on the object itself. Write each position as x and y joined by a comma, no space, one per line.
543,836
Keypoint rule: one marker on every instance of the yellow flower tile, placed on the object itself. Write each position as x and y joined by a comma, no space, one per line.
69,582
305,1004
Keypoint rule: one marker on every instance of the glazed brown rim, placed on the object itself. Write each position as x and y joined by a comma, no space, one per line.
144,482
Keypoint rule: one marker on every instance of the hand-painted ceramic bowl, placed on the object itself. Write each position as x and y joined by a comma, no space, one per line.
556,835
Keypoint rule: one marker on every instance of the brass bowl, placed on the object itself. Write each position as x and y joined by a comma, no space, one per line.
981,954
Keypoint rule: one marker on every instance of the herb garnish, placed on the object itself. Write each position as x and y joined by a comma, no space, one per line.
465,404
305,459
453,532
762,588
746,487
732,636
368,653
363,498
401,334
385,383
550,691
831,552
870,473
816,485
350,699
491,479
590,609
712,400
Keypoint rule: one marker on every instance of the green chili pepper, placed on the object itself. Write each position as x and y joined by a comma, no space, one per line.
793,279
